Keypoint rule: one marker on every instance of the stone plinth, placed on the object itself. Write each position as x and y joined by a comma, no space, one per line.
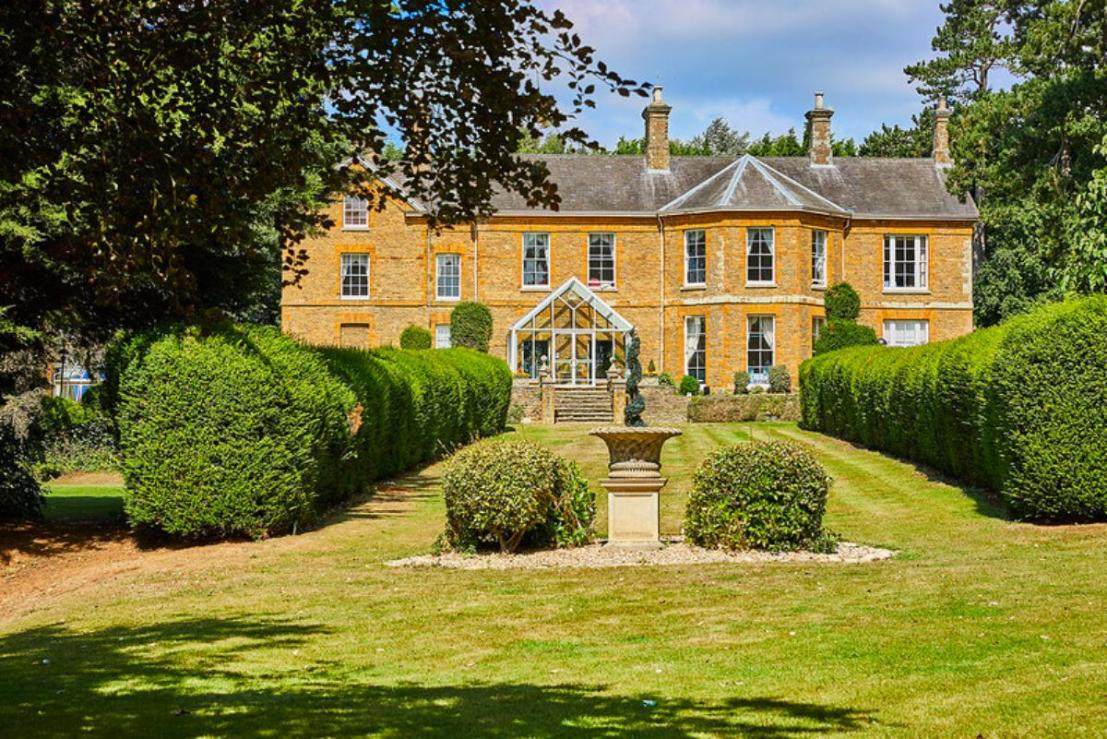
634,483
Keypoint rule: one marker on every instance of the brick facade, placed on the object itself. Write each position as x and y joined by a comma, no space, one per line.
649,291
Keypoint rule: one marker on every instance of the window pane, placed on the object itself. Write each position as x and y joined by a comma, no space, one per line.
355,212
449,275
601,260
818,258
759,255
355,275
816,329
759,348
442,336
695,347
695,258
536,259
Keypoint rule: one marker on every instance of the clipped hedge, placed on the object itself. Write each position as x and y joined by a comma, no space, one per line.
471,325
240,432
244,431
723,408
841,333
1020,408
419,405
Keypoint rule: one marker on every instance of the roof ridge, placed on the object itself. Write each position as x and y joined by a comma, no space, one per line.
733,185
777,173
688,193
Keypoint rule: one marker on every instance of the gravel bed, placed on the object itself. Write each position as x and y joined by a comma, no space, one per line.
598,555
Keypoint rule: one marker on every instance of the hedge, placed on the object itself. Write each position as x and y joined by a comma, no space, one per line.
471,325
1020,408
723,408
244,431
415,337
240,432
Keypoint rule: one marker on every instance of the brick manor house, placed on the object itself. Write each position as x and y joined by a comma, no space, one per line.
720,263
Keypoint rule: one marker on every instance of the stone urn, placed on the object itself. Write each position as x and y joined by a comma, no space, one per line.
634,483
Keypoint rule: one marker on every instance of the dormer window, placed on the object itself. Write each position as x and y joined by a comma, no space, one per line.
355,213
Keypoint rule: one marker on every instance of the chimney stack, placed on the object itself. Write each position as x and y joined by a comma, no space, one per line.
818,121
942,155
656,116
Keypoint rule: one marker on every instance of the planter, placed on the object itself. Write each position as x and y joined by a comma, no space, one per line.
634,483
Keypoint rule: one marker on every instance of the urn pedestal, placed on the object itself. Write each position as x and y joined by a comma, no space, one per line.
634,483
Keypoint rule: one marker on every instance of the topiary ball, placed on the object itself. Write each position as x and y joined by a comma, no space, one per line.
415,337
689,386
842,302
471,325
760,495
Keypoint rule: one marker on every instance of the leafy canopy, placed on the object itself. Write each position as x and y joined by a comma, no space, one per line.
163,160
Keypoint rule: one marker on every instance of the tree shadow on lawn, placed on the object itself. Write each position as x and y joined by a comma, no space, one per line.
387,499
242,676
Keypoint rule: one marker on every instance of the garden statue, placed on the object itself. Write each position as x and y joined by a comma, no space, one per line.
632,416
634,479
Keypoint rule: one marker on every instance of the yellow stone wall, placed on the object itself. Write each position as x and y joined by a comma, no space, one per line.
402,286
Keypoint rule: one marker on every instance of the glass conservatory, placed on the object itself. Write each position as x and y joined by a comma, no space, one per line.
575,331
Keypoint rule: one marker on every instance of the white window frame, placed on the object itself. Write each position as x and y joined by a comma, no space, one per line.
700,349
920,265
750,232
818,323
345,263
687,259
439,262
535,237
351,205
439,341
819,239
895,333
760,378
599,236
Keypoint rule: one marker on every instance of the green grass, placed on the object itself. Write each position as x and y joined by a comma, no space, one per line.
979,626
84,503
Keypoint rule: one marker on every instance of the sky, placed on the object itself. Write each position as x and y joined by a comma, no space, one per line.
757,63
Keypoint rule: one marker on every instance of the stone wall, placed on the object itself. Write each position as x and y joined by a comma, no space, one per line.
664,406
527,396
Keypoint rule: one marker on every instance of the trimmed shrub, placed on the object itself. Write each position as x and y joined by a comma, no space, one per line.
839,334
247,432
779,379
418,406
761,495
415,337
751,407
20,495
471,326
689,386
651,368
842,302
741,382
505,493
665,380
1020,408
240,432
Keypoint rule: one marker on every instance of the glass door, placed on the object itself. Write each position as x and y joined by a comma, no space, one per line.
582,359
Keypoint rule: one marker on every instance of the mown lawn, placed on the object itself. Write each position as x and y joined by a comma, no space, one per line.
979,626
84,503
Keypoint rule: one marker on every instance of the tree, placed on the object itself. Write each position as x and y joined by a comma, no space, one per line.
785,145
1027,153
971,44
719,139
896,142
1086,269
157,158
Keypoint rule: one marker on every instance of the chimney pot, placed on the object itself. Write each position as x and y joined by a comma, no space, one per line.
818,122
656,116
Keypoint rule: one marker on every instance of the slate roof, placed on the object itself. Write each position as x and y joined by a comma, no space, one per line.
852,186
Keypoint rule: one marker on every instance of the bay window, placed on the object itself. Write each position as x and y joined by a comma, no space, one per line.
905,263
818,258
760,342
695,347
759,256
695,258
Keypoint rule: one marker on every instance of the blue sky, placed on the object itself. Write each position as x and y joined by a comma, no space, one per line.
757,63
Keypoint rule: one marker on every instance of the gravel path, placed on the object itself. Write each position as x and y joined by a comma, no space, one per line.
598,555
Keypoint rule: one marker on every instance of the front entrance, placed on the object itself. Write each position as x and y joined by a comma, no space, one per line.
575,332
